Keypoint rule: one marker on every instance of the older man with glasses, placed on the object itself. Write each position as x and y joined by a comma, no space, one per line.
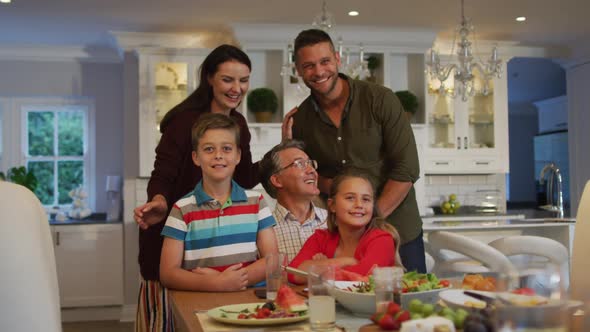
289,176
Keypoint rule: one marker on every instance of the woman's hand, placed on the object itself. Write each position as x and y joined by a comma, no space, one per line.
287,127
151,213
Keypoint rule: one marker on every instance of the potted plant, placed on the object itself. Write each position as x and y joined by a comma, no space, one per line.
372,64
263,102
409,102
20,175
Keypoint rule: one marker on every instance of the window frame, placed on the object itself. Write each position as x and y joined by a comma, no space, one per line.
20,107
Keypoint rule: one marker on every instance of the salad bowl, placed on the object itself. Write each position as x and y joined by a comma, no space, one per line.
363,303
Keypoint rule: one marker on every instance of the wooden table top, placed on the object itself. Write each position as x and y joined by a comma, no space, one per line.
185,303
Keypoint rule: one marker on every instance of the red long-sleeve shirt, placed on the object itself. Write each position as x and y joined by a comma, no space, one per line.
375,247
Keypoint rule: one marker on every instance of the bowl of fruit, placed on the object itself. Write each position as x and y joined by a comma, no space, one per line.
448,206
418,316
359,297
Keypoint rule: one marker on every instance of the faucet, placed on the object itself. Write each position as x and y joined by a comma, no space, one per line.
554,172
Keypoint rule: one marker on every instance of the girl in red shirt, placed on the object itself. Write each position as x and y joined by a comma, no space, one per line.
357,238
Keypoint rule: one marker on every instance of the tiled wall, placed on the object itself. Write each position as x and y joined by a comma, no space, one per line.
470,189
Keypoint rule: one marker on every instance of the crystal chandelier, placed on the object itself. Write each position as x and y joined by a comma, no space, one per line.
356,69
465,66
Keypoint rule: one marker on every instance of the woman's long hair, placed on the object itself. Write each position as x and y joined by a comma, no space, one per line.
200,99
377,221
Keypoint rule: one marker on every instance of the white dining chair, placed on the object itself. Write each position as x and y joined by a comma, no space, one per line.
526,249
580,277
485,258
29,294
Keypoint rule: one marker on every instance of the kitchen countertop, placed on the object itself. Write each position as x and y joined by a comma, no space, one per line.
93,219
494,224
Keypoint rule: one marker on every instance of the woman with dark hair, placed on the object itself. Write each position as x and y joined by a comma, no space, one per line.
224,80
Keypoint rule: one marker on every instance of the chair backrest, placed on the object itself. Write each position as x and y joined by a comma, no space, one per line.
29,294
555,252
580,277
488,256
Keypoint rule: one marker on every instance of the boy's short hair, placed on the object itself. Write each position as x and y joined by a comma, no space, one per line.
311,37
270,163
210,121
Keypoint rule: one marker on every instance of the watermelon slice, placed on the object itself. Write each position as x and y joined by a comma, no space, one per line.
289,300
344,275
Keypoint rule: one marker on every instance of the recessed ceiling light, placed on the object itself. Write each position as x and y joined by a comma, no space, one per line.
5,1
353,13
521,19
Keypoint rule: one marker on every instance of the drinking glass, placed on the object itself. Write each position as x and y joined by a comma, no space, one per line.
387,286
540,302
322,306
275,274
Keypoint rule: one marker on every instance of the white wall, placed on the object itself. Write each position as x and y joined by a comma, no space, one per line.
100,81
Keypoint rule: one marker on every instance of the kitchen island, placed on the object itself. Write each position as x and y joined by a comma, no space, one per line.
490,228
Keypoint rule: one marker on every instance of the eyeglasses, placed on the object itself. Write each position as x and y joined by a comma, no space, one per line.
301,164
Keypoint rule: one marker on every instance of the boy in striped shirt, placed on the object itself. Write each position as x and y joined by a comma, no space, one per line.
215,235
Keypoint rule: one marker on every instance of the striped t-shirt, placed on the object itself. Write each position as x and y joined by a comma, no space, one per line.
215,235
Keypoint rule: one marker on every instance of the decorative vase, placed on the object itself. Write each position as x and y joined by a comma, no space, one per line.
263,117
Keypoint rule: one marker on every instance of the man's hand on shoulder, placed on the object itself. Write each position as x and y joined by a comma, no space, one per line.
287,127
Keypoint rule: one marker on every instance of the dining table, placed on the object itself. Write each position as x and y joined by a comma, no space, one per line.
190,314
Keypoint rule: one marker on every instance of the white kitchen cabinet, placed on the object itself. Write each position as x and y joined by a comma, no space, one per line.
467,137
552,114
89,261
166,77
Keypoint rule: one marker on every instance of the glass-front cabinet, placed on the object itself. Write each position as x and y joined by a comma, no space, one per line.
467,136
166,77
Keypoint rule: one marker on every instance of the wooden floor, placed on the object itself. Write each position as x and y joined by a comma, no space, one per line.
98,326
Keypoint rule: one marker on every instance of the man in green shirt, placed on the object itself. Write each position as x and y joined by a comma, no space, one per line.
353,123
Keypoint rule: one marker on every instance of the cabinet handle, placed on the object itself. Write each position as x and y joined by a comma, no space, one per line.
458,143
465,142
441,163
561,124
57,239
482,163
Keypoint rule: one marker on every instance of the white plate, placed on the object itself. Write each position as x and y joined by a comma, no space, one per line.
456,298
219,315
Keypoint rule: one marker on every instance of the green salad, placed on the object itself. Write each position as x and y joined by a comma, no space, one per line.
420,282
411,282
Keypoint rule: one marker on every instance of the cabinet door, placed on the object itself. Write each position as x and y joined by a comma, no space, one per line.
89,262
164,81
467,136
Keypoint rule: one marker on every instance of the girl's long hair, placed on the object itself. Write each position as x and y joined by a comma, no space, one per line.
377,221
200,99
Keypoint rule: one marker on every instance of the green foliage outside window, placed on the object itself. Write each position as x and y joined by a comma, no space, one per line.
40,128
47,158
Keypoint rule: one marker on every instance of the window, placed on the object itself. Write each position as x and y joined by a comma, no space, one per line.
55,147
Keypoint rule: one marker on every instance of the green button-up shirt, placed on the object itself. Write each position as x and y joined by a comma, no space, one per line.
374,135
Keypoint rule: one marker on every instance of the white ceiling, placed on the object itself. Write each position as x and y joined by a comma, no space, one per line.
554,23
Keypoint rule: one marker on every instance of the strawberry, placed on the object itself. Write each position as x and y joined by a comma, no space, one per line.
393,308
388,323
402,316
377,317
